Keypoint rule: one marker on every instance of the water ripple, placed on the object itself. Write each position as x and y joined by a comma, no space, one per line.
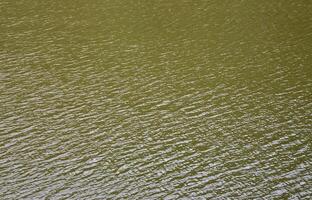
155,100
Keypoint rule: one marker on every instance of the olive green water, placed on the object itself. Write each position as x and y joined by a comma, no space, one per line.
153,99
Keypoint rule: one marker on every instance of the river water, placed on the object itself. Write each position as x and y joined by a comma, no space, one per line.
179,99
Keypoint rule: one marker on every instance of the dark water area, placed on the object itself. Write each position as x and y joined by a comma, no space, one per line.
179,99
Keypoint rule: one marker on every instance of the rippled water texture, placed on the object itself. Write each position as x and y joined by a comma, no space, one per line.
166,99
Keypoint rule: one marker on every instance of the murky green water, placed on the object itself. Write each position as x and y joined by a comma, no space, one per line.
153,99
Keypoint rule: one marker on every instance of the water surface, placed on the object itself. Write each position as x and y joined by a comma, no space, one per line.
179,99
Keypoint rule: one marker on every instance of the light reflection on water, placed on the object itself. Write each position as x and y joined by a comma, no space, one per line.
155,100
